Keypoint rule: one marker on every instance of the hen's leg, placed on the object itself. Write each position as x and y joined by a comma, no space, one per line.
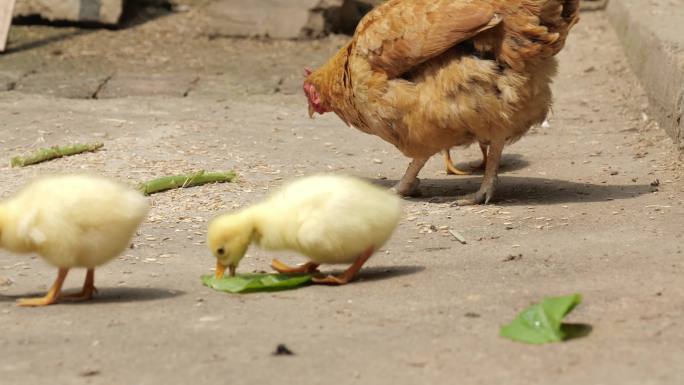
52,295
282,268
88,288
349,274
483,148
450,168
408,185
486,191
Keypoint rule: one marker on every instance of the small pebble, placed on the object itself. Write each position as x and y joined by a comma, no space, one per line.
282,350
89,372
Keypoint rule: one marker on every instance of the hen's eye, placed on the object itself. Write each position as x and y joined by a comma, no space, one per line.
221,251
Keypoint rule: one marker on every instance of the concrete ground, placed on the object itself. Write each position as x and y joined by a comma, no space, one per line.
591,205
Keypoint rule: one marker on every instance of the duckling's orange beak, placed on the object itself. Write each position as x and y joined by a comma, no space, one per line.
220,270
311,111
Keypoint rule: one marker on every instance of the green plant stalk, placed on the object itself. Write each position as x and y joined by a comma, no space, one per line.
45,154
182,181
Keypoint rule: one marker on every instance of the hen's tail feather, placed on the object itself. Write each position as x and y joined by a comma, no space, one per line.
558,16
539,31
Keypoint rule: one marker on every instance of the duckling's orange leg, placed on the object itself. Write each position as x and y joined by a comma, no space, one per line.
451,169
52,295
88,288
282,268
349,274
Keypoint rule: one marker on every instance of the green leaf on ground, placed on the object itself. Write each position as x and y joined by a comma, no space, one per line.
250,283
542,323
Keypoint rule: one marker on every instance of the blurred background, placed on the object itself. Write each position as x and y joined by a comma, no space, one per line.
115,48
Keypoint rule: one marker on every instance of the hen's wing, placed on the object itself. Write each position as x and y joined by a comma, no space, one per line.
399,35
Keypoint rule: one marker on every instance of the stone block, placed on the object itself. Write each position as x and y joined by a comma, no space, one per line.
125,85
94,11
279,19
285,19
75,85
8,80
652,33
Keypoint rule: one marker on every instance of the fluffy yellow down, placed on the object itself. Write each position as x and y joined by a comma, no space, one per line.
71,220
329,219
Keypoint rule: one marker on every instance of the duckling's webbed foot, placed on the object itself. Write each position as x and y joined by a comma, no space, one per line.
333,280
307,268
88,289
52,295
348,275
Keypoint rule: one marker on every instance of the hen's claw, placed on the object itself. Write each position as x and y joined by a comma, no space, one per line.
483,195
407,190
451,169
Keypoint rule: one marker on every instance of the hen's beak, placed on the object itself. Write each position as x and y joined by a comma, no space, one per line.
220,270
311,111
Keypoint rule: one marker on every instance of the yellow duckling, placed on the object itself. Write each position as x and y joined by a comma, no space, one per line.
71,221
329,219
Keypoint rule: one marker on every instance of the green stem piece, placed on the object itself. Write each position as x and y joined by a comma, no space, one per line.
181,181
45,154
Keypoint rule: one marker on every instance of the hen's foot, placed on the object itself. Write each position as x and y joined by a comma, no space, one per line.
451,169
484,148
307,268
408,185
483,195
407,189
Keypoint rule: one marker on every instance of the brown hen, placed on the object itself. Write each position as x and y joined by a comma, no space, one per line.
429,75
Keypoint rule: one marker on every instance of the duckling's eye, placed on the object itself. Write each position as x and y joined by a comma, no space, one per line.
221,251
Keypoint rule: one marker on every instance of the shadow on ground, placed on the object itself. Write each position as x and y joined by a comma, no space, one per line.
58,37
576,330
509,162
135,294
379,273
111,295
135,13
525,190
